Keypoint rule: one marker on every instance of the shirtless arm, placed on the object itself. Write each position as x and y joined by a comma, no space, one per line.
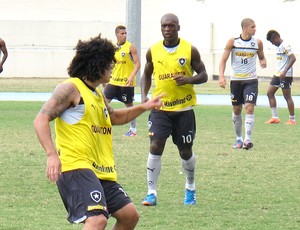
5,53
146,78
261,55
64,96
137,65
292,60
123,116
197,65
224,58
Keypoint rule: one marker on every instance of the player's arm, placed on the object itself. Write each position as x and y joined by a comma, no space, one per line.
5,53
146,78
199,67
123,116
222,65
292,60
261,55
62,98
137,65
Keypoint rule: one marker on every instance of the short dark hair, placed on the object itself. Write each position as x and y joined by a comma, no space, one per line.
271,33
246,21
119,27
92,58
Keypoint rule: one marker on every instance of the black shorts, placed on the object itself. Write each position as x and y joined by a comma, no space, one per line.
181,125
286,84
243,92
84,195
121,93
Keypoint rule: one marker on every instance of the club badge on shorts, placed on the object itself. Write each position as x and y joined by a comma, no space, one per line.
96,196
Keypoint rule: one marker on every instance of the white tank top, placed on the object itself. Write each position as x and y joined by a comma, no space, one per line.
283,52
243,59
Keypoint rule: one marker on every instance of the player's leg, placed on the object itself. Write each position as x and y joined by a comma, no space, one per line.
120,206
153,170
128,98
237,124
236,89
183,135
273,87
80,189
132,132
250,97
95,222
249,124
127,217
287,93
160,128
110,92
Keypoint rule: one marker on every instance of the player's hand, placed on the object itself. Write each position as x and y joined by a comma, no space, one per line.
263,63
222,82
155,102
180,80
53,167
282,76
144,99
129,83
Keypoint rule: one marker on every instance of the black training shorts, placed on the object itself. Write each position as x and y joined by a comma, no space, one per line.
120,93
244,91
286,84
181,125
84,195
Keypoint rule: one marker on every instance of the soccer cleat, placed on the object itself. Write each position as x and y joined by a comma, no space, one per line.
238,144
291,122
150,200
130,133
247,144
190,197
273,121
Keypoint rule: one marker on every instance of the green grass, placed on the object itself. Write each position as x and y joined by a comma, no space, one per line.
48,84
236,189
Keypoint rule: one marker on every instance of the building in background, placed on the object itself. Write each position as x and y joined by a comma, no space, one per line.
40,34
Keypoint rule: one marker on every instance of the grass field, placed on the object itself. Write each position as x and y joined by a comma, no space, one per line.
255,189
48,84
236,189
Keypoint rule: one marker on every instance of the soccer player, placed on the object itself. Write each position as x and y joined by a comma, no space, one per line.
123,80
283,78
172,62
82,163
243,79
5,53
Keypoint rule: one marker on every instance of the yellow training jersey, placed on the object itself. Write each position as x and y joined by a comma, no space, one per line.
170,62
123,67
87,143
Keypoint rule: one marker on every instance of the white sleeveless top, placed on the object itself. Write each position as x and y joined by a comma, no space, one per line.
243,59
283,51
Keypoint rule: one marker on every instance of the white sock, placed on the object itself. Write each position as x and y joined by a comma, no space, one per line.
249,124
189,169
133,125
237,124
274,112
292,118
153,171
